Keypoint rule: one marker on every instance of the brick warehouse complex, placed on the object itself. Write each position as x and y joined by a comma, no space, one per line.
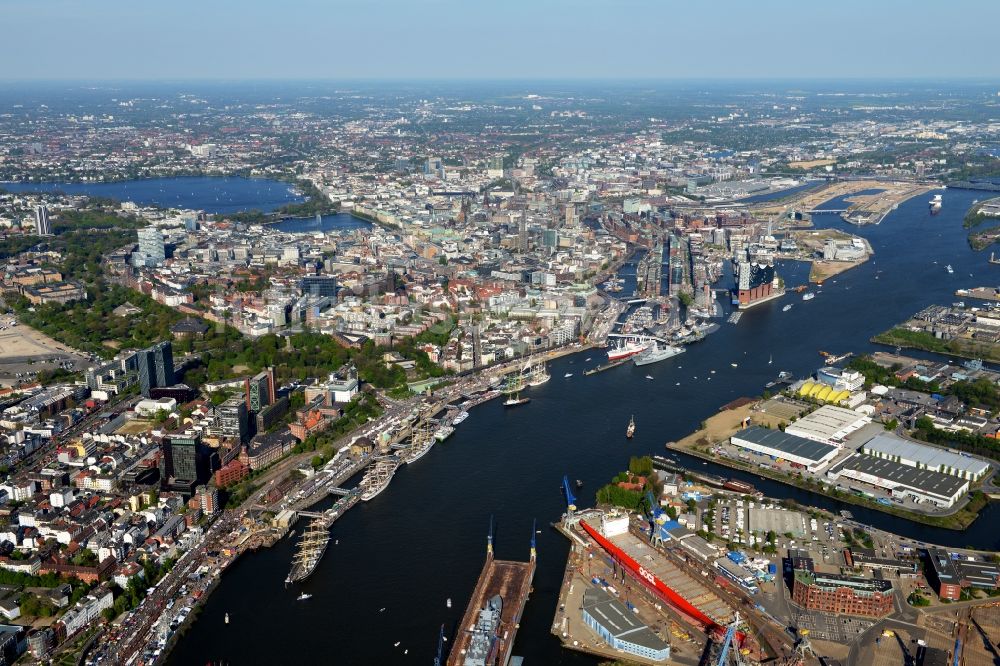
849,595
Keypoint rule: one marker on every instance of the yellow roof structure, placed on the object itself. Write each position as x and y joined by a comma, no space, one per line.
805,388
824,393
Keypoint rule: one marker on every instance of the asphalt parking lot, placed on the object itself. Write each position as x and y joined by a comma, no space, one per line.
831,627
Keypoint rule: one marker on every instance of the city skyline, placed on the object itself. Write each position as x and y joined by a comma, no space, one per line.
449,40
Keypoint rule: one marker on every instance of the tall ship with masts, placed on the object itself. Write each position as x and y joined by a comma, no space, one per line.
312,545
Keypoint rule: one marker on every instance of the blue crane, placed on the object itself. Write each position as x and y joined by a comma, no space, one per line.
727,641
570,500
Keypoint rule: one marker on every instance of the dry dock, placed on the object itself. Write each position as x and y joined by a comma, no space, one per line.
512,582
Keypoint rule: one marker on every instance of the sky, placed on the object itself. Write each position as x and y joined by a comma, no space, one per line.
503,39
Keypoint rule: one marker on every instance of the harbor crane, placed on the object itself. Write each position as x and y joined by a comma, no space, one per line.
570,499
729,652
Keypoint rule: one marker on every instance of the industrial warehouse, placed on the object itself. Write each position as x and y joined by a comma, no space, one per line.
921,456
902,481
828,425
807,453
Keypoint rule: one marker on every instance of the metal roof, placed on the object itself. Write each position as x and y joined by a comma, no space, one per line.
897,474
786,443
619,620
930,456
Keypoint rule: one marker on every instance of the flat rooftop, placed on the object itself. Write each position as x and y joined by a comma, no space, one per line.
897,474
828,422
786,443
931,456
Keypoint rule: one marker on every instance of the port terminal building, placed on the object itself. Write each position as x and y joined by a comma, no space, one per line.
828,425
807,453
620,628
921,456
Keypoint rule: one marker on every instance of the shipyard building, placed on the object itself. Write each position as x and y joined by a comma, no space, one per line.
799,451
620,628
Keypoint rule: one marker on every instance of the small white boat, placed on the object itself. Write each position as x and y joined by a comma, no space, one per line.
677,384
586,359
303,596
649,376
770,360
227,618
396,644
787,308
734,365
567,375
448,604
381,610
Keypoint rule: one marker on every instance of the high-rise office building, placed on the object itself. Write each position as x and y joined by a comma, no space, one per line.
259,390
43,227
522,233
152,250
183,463
156,367
319,285
232,420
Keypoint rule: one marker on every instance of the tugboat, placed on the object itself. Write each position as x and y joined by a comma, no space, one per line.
630,430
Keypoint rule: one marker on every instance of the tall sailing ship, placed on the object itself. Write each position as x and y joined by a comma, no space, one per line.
312,545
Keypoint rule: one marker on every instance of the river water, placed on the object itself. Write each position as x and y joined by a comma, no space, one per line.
423,540
212,194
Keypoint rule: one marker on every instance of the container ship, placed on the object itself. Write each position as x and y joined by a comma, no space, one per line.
656,353
311,549
377,478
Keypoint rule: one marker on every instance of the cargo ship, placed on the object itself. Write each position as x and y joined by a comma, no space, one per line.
657,353
377,478
626,348
311,549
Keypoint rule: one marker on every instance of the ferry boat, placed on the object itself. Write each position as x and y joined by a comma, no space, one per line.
311,549
808,296
626,348
657,353
461,416
630,430
935,202
377,478
443,433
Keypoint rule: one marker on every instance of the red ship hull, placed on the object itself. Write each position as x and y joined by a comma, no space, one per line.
654,583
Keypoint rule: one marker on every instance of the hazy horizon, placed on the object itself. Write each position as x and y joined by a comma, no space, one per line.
456,40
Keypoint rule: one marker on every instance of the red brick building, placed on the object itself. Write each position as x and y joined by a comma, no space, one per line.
846,595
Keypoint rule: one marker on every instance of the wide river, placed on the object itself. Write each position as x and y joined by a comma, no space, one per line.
423,540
